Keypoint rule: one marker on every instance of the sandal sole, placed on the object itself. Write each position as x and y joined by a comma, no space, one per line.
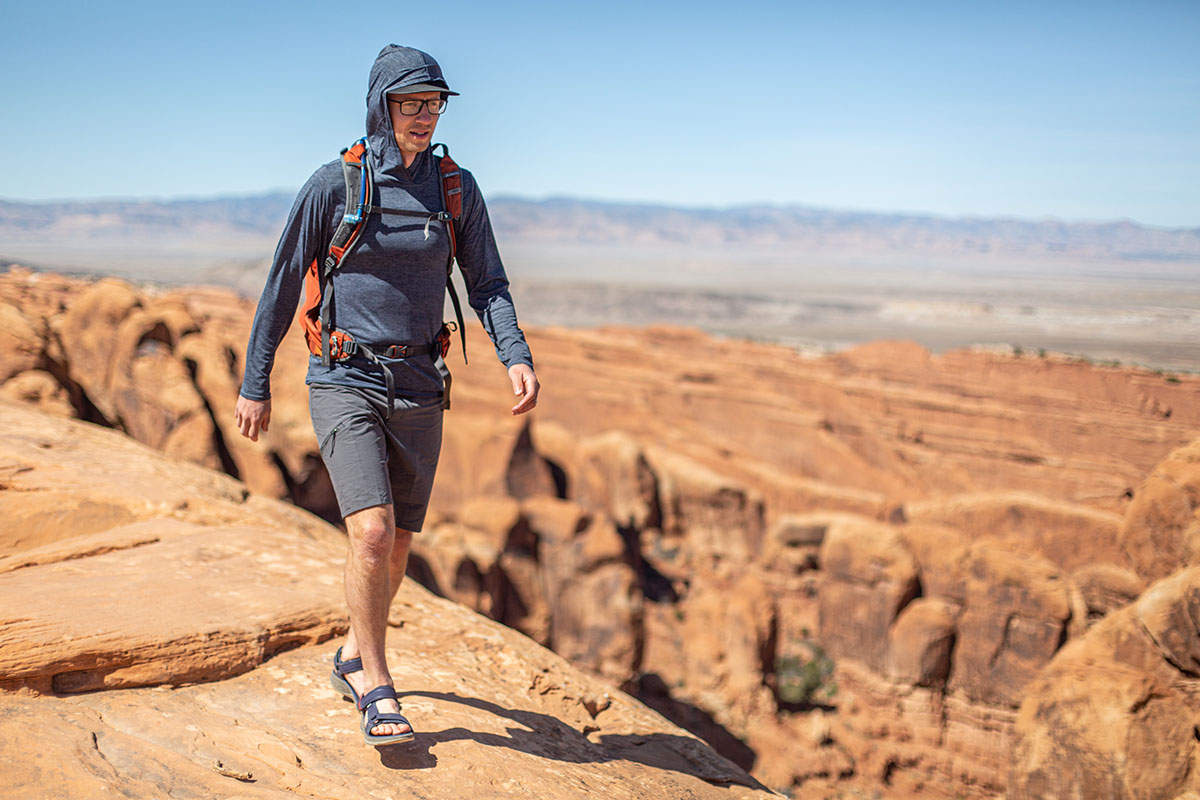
343,687
381,740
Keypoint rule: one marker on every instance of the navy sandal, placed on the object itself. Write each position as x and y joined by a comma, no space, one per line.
337,678
372,716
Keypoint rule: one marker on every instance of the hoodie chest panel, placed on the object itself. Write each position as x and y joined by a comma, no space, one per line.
392,286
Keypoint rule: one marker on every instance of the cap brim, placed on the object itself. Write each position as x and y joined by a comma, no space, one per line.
421,87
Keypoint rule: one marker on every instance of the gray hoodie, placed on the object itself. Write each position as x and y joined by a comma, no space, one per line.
392,285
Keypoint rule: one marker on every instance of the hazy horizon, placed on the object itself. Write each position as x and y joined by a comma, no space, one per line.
682,206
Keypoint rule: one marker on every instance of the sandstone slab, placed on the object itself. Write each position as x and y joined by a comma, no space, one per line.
495,715
211,601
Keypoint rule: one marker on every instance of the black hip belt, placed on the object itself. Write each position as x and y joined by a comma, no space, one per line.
344,348
374,352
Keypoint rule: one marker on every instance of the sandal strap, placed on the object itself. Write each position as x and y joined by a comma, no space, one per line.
386,719
384,692
344,667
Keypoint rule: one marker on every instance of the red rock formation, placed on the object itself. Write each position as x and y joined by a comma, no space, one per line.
212,599
1161,532
844,571
1114,715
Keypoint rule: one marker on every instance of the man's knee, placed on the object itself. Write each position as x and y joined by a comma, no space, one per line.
372,533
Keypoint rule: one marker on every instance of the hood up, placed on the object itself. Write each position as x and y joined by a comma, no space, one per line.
395,68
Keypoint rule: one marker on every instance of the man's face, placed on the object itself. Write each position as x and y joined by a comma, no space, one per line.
413,134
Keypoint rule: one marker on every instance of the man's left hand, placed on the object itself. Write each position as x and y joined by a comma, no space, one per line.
525,385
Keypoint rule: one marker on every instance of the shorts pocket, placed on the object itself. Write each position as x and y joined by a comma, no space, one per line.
325,444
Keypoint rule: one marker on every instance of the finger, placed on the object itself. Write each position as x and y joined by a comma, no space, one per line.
517,382
529,400
249,428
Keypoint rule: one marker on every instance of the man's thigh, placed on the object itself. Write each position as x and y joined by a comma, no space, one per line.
414,446
354,446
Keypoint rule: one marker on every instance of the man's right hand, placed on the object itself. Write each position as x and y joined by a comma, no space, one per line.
253,416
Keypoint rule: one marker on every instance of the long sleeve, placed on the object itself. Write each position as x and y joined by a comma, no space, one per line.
305,235
487,285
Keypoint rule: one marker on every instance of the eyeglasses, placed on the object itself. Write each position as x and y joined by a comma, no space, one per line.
410,108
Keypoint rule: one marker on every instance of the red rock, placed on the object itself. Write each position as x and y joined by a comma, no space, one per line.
1106,588
719,519
697,451
941,553
870,576
726,626
216,585
87,332
1113,714
1068,534
591,590
613,476
40,390
21,341
1019,611
921,642
1161,531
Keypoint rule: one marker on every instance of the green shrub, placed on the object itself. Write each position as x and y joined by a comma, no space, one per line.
806,678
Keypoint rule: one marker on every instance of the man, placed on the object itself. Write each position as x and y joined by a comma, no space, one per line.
389,292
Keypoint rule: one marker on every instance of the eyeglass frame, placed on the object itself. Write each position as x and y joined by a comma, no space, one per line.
424,103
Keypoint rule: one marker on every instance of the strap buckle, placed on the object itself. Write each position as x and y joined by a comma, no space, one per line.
396,351
341,347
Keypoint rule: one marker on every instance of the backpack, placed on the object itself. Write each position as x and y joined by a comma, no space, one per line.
317,313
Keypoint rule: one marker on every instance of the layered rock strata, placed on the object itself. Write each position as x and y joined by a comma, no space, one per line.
845,572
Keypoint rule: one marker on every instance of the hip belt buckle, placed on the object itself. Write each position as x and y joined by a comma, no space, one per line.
396,351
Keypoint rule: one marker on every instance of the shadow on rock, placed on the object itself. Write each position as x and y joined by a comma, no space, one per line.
549,737
409,755
654,692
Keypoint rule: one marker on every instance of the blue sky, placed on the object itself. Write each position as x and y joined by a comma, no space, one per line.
1071,110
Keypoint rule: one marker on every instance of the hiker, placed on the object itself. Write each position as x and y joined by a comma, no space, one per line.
377,378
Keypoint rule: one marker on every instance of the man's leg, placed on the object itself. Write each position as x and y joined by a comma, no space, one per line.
375,564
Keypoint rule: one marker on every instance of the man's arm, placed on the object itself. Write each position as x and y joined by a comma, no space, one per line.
487,291
306,230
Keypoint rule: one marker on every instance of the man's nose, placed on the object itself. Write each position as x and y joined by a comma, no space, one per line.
424,114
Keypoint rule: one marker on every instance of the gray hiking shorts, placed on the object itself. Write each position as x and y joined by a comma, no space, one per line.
373,461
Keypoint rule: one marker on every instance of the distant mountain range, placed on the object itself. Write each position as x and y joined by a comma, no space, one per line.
562,219
806,277
567,221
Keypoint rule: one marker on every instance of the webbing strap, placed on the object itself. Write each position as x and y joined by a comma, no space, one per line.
326,310
404,212
387,378
450,180
357,172
462,336
409,351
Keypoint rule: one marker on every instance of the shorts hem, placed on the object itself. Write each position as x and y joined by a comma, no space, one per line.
359,505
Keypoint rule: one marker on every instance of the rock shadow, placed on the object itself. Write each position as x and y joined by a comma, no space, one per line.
549,737
650,689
